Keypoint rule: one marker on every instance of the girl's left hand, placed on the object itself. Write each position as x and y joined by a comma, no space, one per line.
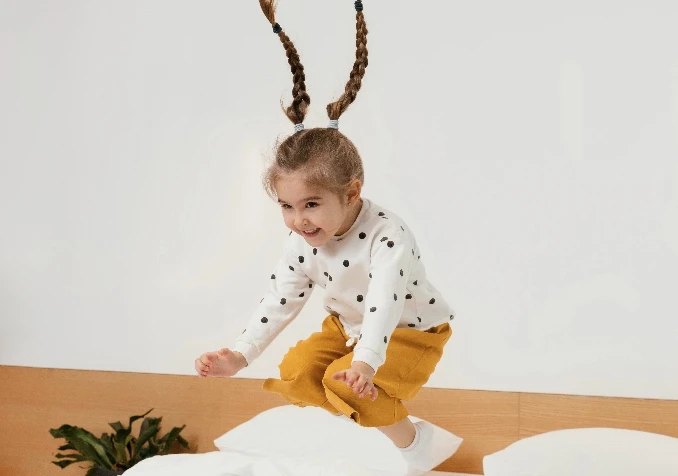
359,378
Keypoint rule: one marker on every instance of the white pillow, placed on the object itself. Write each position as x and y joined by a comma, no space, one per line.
226,463
313,433
587,452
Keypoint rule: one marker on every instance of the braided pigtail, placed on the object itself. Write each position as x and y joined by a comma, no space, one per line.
296,111
337,108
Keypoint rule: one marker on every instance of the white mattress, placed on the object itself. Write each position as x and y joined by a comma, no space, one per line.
222,463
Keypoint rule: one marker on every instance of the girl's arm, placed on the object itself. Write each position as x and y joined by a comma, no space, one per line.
391,264
289,289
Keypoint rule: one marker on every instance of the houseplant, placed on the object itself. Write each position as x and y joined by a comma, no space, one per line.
113,453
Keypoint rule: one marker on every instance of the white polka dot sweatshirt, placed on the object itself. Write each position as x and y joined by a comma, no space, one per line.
374,281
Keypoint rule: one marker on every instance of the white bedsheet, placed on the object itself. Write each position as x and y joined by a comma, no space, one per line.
221,463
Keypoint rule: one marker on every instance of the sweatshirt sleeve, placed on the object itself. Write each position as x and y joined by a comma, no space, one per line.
391,264
289,290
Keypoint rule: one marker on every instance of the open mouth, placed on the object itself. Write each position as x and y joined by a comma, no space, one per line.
311,233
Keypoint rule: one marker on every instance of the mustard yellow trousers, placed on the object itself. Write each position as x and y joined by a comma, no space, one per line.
306,373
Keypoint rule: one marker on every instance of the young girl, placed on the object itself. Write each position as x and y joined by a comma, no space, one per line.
387,324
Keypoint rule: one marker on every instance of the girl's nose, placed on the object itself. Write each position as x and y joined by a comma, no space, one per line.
300,222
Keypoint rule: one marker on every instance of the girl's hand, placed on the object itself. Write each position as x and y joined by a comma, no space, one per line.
222,363
359,378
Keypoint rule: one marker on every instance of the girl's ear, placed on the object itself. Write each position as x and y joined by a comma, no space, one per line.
353,193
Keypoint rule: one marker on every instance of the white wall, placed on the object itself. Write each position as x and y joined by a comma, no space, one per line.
531,146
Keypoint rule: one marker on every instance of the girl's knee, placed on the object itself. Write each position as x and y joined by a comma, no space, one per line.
298,363
302,375
290,366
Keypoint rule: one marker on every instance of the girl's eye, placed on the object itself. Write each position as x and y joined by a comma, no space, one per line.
286,206
311,204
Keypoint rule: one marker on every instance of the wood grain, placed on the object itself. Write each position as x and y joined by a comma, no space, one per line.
488,422
34,400
540,413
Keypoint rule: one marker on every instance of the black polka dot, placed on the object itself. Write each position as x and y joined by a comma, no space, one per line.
419,318
408,296
360,298
244,331
310,285
384,238
362,236
415,283
401,273
401,227
360,337
370,275
451,316
290,233
395,297
315,251
283,301
419,257
330,278
385,340
301,295
262,300
325,273
273,276
381,214
264,320
372,309
432,301
390,244
411,325
291,268
301,259
346,263
412,252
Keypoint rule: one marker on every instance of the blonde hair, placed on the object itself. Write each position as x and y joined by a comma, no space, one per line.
325,156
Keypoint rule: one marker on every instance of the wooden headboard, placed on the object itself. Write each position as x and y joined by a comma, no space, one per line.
34,400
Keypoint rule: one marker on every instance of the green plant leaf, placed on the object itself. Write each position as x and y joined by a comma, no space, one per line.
107,442
153,446
130,445
118,451
145,453
122,438
64,463
134,418
92,471
121,448
67,446
85,443
117,426
183,442
76,457
169,438
174,434
146,424
149,428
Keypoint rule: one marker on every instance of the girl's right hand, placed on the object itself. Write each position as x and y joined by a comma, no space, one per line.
223,363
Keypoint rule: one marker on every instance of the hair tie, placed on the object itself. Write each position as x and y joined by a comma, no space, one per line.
298,127
334,124
358,6
277,28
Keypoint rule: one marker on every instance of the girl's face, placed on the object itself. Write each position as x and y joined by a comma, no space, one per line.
315,213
